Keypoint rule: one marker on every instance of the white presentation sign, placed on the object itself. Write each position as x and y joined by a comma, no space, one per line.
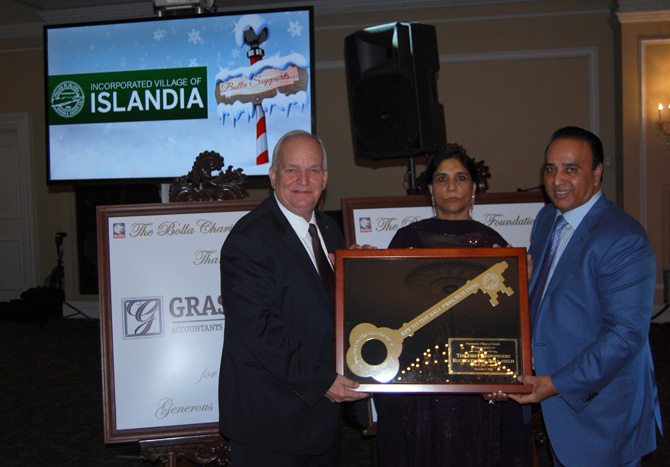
162,318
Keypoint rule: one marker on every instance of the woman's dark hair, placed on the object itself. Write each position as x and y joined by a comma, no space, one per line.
452,151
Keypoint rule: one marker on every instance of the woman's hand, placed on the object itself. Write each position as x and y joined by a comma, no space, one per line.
356,246
495,397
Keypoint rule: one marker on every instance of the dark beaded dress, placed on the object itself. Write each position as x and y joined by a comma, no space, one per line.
450,430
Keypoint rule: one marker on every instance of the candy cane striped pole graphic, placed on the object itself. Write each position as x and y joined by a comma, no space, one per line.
261,137
255,54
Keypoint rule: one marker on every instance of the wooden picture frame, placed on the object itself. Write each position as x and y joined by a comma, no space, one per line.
160,307
469,305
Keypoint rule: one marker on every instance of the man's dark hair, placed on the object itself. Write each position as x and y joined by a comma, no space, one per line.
451,151
573,132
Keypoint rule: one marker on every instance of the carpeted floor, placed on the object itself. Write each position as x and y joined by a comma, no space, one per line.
51,399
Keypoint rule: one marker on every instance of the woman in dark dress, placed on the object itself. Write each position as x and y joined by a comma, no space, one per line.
441,429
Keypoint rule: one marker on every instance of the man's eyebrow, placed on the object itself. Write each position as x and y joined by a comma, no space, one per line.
566,164
298,166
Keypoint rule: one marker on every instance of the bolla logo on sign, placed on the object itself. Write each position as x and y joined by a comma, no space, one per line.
143,317
365,224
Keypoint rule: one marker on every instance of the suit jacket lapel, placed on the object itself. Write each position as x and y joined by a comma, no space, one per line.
293,243
325,232
575,248
289,237
542,230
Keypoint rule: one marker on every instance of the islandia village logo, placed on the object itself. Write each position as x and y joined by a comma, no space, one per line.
67,99
128,96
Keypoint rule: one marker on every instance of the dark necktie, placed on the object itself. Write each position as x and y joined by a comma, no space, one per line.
322,263
541,282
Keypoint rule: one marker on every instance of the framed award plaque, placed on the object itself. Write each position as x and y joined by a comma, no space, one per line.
448,320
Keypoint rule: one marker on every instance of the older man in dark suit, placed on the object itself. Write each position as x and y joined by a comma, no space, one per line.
278,389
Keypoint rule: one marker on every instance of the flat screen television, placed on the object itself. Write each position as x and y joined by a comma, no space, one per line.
137,101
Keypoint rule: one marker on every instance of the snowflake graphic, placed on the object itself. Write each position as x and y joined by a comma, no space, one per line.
159,34
171,142
235,53
193,62
194,36
294,28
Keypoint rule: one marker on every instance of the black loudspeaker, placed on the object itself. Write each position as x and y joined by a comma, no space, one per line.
392,84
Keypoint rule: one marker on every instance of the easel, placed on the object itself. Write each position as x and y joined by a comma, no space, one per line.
202,450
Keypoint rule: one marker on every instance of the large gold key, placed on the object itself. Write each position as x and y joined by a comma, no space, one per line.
490,282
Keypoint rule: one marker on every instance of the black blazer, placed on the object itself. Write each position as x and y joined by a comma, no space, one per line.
279,341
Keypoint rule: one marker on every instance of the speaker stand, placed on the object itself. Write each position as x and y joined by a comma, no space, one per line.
413,189
57,278
77,311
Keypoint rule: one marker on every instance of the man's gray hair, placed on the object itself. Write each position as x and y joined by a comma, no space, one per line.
292,134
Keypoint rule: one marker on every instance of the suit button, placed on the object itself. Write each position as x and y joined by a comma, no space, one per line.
591,397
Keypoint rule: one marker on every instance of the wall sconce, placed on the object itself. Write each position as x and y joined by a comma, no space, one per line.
663,127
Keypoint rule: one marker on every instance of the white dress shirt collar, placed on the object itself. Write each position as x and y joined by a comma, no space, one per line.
301,228
574,217
299,224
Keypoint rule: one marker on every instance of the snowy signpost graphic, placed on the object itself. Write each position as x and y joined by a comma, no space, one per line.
274,83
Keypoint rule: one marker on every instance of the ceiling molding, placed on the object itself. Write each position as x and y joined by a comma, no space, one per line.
144,9
19,31
321,7
624,6
643,16
629,11
98,13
